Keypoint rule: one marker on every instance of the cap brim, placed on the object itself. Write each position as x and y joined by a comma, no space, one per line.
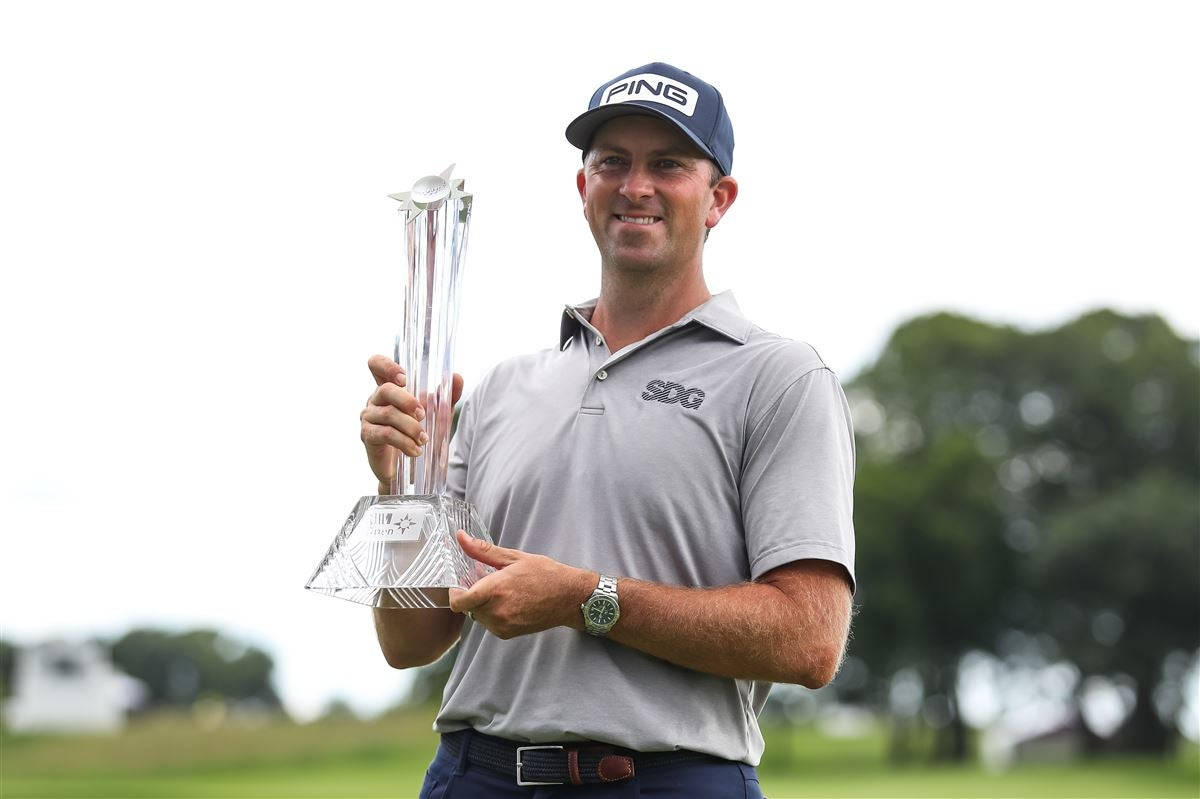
584,126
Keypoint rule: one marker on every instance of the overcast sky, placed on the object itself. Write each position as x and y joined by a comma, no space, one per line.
199,254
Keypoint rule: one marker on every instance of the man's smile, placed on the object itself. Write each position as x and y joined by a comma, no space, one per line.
637,220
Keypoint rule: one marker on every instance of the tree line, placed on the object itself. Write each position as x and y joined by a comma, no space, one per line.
177,668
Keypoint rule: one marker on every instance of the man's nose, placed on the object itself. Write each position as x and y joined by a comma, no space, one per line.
637,184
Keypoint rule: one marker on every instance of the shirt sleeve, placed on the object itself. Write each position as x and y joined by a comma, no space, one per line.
797,484
460,450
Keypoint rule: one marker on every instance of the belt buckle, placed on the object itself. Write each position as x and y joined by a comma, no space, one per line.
520,750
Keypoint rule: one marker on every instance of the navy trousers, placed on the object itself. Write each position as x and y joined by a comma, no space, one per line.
453,777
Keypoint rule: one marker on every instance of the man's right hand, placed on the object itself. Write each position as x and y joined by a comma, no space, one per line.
392,419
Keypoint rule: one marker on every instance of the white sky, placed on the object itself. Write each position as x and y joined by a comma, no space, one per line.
199,255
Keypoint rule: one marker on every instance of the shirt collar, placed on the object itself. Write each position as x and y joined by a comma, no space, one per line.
719,313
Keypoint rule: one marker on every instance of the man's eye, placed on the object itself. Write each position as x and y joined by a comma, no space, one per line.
667,163
611,160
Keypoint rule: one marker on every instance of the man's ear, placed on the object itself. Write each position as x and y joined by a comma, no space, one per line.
724,193
581,183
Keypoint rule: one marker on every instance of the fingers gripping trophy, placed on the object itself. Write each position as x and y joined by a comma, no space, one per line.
399,550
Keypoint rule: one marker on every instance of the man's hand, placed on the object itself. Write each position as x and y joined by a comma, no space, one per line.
526,594
392,419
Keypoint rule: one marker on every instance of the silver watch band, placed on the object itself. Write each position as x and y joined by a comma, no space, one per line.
607,586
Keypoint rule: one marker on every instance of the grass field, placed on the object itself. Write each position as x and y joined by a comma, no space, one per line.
172,757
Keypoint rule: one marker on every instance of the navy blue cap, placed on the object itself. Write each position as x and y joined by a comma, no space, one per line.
664,91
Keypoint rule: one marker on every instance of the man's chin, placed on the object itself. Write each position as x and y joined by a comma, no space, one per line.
627,261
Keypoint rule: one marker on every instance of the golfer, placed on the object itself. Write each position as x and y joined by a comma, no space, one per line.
670,489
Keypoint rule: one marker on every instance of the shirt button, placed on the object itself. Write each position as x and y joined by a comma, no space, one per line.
601,374
599,341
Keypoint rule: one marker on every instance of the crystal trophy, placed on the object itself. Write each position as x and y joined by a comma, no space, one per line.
399,550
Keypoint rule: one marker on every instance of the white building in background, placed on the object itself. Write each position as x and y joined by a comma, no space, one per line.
69,687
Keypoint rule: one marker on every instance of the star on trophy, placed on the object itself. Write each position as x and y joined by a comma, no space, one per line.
399,550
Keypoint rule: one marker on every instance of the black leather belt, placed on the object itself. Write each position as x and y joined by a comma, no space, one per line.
571,763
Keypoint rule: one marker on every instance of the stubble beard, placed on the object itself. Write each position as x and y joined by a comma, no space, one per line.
638,281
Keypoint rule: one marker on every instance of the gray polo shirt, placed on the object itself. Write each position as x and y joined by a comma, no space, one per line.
706,454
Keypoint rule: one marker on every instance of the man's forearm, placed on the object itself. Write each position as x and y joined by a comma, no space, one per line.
415,637
748,631
789,625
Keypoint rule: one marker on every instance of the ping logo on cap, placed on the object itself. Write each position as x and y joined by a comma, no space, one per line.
648,87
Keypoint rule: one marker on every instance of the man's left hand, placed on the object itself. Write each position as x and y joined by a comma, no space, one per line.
526,594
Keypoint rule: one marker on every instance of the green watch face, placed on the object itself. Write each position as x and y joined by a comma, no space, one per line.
601,611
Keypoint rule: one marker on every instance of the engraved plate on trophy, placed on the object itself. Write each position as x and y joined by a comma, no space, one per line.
399,550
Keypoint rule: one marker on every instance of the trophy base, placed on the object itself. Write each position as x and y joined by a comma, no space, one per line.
400,552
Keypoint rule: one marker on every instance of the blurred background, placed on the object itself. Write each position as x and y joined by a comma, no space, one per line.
982,215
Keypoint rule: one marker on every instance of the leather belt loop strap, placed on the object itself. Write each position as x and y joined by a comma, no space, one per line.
573,766
613,768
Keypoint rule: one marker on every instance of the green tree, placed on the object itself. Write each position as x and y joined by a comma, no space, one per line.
988,456
931,562
338,709
8,656
177,668
1118,576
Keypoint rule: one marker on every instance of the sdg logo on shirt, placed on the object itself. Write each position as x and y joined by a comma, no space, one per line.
670,393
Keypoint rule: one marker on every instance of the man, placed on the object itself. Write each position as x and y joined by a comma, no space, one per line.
670,491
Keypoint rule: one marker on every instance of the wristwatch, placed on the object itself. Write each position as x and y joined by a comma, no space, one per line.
602,610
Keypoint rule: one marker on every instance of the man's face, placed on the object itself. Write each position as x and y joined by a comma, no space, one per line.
647,194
